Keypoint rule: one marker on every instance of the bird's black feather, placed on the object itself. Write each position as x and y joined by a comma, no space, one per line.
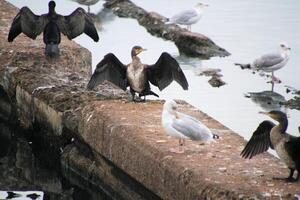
76,23
111,69
260,140
32,25
293,148
28,23
164,71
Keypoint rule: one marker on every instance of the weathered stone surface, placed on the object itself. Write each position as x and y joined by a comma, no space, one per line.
128,135
188,43
293,103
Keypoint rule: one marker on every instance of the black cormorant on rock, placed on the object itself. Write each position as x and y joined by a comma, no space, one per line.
137,75
270,135
52,24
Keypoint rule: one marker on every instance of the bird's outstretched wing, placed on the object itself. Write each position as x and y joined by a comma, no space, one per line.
28,23
164,71
260,140
76,23
111,69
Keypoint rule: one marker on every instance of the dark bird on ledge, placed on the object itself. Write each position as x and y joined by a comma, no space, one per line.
270,135
137,75
52,24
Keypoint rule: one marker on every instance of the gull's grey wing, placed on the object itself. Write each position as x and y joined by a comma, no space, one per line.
28,23
189,126
164,71
260,140
268,60
110,69
76,23
183,17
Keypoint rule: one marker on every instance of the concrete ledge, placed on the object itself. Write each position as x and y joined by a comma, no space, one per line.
125,140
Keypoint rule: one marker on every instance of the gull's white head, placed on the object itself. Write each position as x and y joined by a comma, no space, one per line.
283,47
201,6
170,106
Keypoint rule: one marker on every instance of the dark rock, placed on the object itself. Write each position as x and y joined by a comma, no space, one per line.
188,43
216,81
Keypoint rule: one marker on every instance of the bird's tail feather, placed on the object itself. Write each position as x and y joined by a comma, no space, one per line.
152,93
92,83
243,66
52,50
215,136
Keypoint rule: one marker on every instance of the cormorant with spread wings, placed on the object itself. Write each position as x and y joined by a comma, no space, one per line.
268,135
137,75
51,24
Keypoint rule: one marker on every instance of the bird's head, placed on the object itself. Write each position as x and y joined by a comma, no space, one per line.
284,47
51,5
170,106
201,6
276,115
136,50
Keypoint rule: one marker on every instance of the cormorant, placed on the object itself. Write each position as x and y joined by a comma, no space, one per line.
270,135
189,17
270,62
52,24
137,75
182,126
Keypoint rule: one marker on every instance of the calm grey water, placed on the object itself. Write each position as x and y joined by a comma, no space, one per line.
245,28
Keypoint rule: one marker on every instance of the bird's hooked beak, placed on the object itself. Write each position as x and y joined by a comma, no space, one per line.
264,113
202,5
138,51
273,116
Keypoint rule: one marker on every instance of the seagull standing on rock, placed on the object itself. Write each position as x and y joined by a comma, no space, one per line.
183,126
270,62
189,17
88,3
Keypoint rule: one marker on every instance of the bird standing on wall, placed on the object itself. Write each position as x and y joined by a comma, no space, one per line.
52,24
137,75
270,62
189,17
182,126
268,135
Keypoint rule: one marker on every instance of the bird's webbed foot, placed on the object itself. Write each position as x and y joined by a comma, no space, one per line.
289,179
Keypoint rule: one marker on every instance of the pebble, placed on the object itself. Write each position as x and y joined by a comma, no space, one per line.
222,169
270,184
161,141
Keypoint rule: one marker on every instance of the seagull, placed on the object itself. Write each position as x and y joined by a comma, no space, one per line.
270,62
268,135
88,3
182,126
189,17
52,24
137,75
